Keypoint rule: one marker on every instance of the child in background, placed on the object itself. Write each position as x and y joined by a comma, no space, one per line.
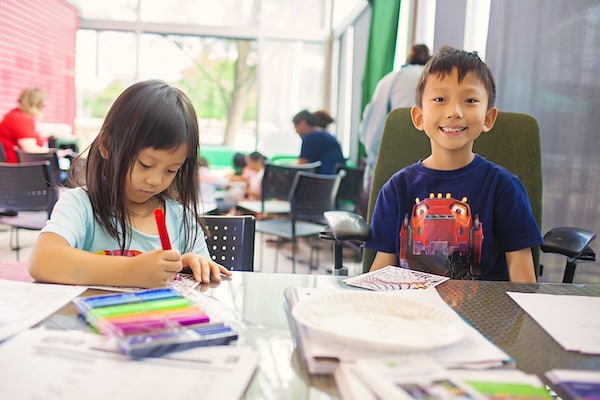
210,183
144,158
454,105
239,163
256,162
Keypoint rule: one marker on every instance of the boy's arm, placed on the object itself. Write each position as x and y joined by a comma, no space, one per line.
520,266
383,260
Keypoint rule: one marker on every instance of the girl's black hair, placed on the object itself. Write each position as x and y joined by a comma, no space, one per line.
147,114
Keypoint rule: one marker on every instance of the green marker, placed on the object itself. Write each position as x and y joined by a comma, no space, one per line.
163,304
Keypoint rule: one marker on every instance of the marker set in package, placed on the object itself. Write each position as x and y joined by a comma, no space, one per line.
153,322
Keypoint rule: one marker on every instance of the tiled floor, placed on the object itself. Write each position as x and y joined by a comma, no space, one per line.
263,261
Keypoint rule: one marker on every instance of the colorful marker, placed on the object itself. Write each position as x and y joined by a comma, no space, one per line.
125,298
162,304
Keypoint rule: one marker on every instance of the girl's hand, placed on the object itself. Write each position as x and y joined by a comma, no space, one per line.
204,268
155,268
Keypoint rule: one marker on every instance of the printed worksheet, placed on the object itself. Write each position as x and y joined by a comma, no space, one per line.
395,278
53,364
24,304
182,282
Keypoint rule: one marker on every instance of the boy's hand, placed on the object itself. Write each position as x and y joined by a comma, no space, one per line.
204,268
155,268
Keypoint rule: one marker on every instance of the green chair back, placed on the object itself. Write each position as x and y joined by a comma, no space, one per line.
513,143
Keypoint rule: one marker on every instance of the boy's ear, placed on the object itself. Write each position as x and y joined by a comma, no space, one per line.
416,114
490,119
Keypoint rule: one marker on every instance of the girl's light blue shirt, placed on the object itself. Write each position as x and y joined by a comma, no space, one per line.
73,219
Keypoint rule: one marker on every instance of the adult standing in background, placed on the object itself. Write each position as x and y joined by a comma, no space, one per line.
317,143
394,90
17,128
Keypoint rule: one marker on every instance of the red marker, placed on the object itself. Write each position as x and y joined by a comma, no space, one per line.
162,229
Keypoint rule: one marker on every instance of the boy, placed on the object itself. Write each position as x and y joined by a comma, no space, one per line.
455,213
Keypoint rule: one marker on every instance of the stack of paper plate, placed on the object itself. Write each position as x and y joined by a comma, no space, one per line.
380,321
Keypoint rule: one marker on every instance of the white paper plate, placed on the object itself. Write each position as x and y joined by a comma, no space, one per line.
380,321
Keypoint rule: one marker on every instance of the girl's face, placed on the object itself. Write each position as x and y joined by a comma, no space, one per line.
153,172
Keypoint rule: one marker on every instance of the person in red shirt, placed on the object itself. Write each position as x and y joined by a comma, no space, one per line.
17,128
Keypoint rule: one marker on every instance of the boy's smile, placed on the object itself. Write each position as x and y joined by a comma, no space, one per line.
453,115
450,131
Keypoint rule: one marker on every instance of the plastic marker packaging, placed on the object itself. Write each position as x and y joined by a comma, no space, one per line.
153,322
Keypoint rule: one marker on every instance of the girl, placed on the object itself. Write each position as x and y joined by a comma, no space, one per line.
144,158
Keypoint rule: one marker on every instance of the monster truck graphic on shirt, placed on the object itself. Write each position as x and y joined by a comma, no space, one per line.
441,236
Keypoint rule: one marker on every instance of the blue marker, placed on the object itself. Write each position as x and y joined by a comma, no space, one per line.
126,298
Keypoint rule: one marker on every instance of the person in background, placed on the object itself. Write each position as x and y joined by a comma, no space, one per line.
239,163
18,127
143,159
394,90
493,227
211,183
256,162
317,143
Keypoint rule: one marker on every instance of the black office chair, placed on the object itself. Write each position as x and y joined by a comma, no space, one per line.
275,185
28,189
2,153
58,176
4,212
350,187
402,144
231,240
310,196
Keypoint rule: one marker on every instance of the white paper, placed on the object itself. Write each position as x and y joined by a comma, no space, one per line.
349,386
52,364
474,351
182,282
571,321
24,304
395,278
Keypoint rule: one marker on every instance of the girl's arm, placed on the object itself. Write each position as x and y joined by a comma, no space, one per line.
520,266
383,260
53,260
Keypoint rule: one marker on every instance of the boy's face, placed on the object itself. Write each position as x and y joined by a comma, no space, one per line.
454,114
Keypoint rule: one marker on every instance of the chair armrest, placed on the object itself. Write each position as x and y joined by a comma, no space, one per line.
568,241
345,225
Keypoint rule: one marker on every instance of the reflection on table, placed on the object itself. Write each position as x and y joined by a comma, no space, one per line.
256,301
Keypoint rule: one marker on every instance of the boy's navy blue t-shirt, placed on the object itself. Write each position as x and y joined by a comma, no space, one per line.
454,223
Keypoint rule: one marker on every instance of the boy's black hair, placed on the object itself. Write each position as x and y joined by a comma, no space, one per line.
445,60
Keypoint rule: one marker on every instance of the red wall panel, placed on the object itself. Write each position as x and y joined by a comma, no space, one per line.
37,48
